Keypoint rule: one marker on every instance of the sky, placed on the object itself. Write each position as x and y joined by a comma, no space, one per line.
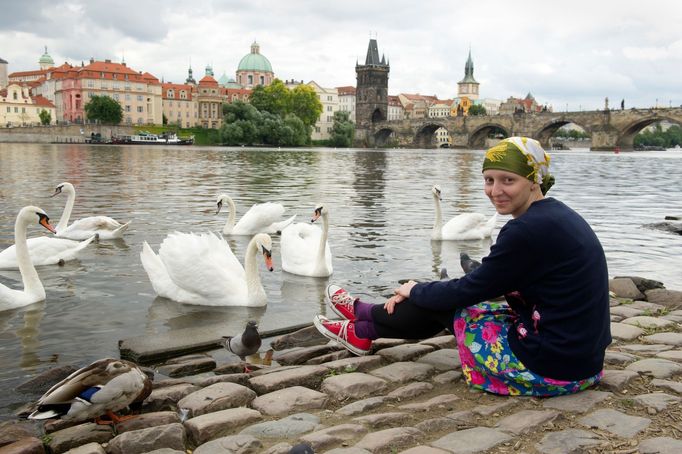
570,55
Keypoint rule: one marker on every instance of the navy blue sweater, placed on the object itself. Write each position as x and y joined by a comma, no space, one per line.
547,260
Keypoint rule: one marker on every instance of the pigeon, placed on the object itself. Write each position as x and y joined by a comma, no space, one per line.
468,264
246,344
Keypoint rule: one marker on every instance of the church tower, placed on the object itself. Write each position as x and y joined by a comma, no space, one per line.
468,87
371,95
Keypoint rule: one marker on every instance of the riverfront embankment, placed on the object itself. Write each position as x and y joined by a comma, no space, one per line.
406,397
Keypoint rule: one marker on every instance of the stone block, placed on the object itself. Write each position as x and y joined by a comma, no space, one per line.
301,355
72,437
28,445
625,288
362,406
144,440
617,423
232,444
446,341
644,321
323,439
620,331
406,352
410,390
145,420
472,440
403,372
167,398
442,360
525,421
580,402
389,419
288,400
219,396
668,298
659,401
355,385
90,448
306,376
289,427
617,380
659,368
355,364
660,445
390,439
442,402
568,441
219,423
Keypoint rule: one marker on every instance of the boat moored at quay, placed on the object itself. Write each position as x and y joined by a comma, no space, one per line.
145,138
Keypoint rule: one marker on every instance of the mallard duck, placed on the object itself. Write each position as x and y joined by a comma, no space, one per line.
103,387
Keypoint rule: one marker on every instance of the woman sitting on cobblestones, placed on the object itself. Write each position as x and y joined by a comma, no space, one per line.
549,338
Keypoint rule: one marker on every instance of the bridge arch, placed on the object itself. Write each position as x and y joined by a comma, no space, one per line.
479,135
424,138
626,137
546,131
381,137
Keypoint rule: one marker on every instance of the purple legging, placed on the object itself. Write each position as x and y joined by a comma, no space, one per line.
408,321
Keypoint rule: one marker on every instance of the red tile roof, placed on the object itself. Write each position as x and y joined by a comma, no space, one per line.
44,102
176,88
208,80
346,90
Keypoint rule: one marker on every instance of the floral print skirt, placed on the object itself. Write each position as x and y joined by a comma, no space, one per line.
489,364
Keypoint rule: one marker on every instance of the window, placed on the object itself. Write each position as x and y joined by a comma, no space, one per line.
15,95
91,83
329,118
23,110
183,94
116,96
140,120
329,129
139,97
262,80
127,108
329,108
170,94
127,96
139,108
317,129
9,109
329,98
250,79
16,110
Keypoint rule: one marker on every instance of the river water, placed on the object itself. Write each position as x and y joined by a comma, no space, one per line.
381,215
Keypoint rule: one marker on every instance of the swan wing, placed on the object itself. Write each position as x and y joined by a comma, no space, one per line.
11,298
106,227
298,246
259,217
463,225
202,264
45,251
277,227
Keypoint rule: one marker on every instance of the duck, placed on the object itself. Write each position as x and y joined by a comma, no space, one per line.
33,291
107,228
201,269
261,218
104,387
305,249
464,226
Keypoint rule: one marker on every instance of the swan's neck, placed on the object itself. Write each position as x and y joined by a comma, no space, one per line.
320,261
66,214
29,275
254,288
232,212
438,223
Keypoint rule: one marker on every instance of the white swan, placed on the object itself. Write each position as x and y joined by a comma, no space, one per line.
261,218
201,269
33,289
465,226
305,250
44,251
106,227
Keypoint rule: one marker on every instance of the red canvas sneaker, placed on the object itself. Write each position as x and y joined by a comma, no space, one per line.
340,301
343,332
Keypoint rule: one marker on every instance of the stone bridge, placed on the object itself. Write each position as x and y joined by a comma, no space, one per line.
609,129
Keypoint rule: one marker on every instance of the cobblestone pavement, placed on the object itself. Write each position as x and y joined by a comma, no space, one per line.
404,398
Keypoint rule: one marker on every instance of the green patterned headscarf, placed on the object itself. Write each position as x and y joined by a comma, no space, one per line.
522,156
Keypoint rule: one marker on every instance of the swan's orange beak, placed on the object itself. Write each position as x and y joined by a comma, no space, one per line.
268,259
45,222
316,215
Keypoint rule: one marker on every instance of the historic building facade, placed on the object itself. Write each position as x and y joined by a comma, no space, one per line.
254,69
18,107
3,73
347,101
179,104
468,87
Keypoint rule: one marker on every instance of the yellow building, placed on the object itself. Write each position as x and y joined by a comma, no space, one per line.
180,104
18,107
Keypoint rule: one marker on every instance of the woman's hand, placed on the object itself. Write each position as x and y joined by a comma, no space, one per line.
400,294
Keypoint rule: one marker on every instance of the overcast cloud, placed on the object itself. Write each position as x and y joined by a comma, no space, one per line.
566,53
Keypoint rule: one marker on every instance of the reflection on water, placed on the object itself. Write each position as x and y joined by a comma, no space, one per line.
381,216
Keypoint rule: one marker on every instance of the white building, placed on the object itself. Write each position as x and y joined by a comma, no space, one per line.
347,101
329,97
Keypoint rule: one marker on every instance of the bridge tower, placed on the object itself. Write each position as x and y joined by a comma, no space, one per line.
371,94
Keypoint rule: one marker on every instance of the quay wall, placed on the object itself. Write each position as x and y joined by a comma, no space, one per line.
60,133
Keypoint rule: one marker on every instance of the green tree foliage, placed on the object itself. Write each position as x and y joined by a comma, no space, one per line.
45,117
343,130
477,109
245,125
657,137
305,104
573,134
104,109
275,115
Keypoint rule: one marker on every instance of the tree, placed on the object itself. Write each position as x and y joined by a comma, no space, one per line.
477,109
104,109
305,104
45,117
275,98
343,130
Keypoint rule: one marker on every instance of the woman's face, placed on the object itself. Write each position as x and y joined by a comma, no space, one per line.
510,193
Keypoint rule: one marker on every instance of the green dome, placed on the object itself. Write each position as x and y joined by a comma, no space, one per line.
45,58
254,61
